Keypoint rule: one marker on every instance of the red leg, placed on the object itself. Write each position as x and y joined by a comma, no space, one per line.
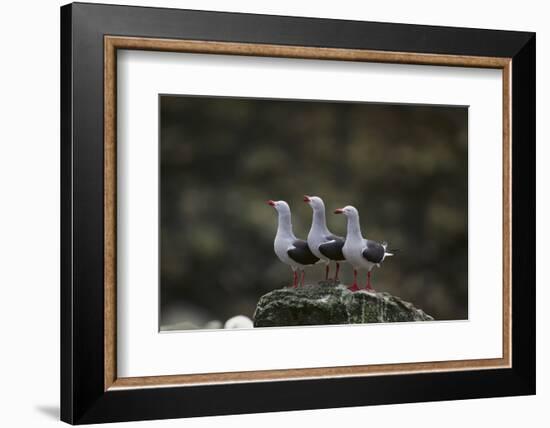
337,270
295,283
303,277
327,269
369,287
354,286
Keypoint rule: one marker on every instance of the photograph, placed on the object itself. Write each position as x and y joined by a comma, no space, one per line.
287,212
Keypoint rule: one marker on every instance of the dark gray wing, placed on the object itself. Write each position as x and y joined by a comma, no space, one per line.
374,252
333,249
301,253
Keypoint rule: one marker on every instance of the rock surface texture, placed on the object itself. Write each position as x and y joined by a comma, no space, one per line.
325,303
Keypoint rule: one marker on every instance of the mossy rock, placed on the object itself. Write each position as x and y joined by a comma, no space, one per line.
326,303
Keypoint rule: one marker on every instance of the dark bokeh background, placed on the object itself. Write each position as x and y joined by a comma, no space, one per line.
404,167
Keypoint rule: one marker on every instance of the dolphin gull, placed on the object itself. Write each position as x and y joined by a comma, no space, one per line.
359,252
291,250
320,240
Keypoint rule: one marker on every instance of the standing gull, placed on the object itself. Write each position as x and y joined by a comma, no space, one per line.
291,250
320,240
362,254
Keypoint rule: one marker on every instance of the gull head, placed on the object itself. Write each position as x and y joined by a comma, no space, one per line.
348,211
315,202
280,206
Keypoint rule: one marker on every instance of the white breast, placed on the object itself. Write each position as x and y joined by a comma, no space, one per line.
281,246
313,243
353,252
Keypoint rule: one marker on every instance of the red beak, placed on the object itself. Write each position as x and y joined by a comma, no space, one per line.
338,211
307,198
270,202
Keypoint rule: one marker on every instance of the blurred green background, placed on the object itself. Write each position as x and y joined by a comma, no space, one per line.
405,168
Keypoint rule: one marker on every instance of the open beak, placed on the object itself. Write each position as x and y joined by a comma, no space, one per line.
270,202
338,211
307,198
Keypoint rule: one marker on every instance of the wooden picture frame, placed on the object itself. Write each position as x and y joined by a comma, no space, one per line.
91,390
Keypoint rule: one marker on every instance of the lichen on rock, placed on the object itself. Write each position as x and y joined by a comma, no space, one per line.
326,303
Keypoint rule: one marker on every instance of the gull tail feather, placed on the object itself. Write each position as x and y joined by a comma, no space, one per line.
391,251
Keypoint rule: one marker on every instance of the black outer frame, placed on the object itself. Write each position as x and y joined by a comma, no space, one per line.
83,399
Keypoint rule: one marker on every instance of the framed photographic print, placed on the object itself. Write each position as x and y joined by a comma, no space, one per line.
265,213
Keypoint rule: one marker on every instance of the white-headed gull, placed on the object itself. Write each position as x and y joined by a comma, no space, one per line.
362,254
321,241
291,250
